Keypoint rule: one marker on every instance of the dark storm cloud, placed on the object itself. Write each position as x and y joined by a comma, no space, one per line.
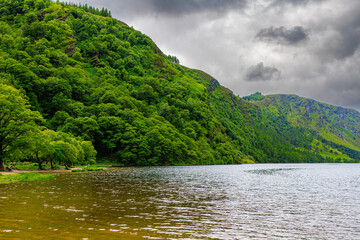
167,8
261,73
181,7
347,40
283,36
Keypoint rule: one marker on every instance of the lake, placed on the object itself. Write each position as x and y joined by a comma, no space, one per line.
269,201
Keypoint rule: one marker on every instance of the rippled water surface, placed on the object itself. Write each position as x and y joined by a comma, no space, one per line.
305,201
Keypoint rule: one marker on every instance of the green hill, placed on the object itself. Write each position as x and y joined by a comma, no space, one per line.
337,127
95,79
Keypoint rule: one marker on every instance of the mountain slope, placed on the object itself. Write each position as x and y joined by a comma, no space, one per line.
99,80
336,126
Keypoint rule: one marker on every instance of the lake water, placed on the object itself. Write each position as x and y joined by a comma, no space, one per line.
282,201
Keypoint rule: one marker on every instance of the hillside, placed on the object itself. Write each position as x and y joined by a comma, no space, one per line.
338,127
93,79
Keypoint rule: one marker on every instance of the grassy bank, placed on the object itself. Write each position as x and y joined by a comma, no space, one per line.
24,177
34,166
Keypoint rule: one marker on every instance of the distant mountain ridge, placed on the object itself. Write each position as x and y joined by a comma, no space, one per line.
333,123
329,121
99,80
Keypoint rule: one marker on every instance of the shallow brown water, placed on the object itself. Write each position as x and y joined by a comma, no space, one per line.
305,201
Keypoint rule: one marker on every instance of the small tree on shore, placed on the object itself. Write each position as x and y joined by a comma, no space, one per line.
40,149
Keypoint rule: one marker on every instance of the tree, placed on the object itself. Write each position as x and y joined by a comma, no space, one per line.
89,152
173,59
65,153
40,147
17,120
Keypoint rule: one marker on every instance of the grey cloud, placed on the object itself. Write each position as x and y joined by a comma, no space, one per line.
283,36
293,2
347,42
339,38
180,7
343,83
261,73
168,8
278,3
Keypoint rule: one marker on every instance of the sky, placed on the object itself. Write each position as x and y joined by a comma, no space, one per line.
304,47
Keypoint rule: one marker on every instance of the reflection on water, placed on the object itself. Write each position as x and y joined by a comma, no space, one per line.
271,171
198,202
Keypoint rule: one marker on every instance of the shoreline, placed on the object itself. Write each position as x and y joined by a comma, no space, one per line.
38,171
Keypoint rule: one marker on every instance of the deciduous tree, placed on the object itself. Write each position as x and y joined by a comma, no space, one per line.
17,120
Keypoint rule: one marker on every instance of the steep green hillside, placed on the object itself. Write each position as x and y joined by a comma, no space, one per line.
98,80
338,127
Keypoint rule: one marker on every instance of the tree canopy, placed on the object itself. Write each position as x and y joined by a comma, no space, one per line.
17,123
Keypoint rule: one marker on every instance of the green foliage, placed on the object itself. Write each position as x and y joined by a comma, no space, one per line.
17,122
103,12
254,97
173,59
21,137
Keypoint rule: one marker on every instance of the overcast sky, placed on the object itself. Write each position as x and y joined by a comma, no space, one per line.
305,47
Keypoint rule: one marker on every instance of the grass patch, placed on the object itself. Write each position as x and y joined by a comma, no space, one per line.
101,165
78,170
26,166
88,169
24,177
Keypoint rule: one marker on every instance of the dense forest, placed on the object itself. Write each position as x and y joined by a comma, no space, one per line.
77,85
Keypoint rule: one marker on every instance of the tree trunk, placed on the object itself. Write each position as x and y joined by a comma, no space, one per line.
2,167
52,164
38,160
